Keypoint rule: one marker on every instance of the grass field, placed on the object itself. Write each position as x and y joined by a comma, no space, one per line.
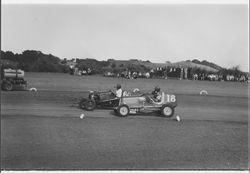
65,82
42,130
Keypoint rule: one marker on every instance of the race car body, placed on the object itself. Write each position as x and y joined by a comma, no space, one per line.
147,103
96,99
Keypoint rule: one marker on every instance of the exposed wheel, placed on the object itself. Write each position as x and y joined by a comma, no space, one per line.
7,86
167,111
123,110
82,103
90,105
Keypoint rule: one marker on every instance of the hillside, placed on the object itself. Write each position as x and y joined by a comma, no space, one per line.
206,63
147,64
189,64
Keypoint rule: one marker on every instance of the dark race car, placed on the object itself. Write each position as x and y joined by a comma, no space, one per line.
106,99
130,103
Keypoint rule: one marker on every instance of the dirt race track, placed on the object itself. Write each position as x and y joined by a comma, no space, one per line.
42,130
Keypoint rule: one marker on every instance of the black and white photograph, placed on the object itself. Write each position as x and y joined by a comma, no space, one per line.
149,86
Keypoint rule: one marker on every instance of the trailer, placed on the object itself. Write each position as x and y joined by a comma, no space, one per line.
13,80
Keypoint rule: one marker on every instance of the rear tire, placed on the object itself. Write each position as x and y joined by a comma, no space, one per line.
90,105
123,110
7,86
167,111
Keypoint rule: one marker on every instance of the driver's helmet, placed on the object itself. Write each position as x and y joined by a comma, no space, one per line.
157,89
118,86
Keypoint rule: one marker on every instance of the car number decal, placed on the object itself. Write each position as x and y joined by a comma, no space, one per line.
171,98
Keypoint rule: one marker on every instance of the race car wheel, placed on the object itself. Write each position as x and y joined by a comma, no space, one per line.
7,86
123,110
82,103
90,105
167,111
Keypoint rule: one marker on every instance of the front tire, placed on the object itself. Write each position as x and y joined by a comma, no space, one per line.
123,110
167,111
90,105
82,103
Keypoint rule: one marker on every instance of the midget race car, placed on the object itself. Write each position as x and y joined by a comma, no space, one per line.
130,103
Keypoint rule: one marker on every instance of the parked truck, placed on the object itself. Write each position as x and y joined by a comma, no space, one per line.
12,79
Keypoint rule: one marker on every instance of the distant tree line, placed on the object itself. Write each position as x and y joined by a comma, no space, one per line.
33,61
97,67
36,61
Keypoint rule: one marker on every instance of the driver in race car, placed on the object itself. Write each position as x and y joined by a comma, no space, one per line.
157,94
118,92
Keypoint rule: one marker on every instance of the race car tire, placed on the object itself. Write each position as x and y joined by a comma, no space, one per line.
7,86
82,103
123,110
167,111
90,105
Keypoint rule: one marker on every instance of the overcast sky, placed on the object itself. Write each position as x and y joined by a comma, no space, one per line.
159,33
